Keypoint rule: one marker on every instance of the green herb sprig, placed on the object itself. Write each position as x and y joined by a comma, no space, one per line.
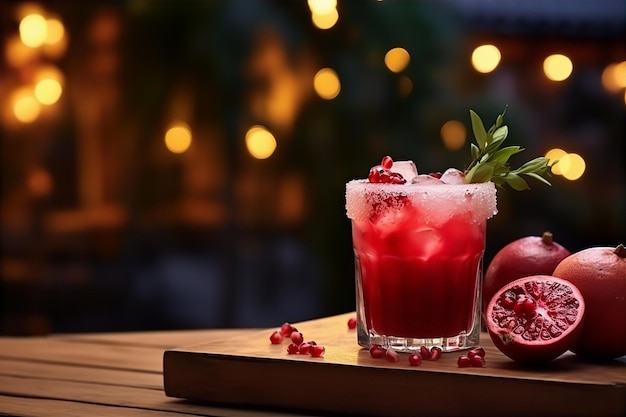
490,162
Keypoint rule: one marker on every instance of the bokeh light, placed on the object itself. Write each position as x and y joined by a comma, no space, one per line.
26,109
405,86
48,91
453,135
55,31
557,67
553,156
178,138
322,7
575,166
397,59
33,30
326,83
570,165
486,58
260,142
614,76
325,20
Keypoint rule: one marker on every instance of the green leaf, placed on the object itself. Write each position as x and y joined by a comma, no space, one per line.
516,182
503,155
479,130
474,151
482,173
501,133
490,162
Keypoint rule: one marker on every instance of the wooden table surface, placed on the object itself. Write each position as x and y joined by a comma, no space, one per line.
109,374
122,374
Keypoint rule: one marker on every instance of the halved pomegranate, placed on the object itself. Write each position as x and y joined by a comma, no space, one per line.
535,319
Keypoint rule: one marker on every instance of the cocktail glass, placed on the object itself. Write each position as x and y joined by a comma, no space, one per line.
418,250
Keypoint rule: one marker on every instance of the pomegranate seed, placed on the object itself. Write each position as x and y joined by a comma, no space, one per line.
387,162
377,351
286,329
317,351
276,338
477,351
525,307
507,300
435,353
425,353
435,174
477,361
293,349
351,323
304,348
297,338
373,176
415,359
392,355
464,362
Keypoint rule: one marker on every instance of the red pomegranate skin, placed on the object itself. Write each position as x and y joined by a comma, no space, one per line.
536,352
530,255
600,275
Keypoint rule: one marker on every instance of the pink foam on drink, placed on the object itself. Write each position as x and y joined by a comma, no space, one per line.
436,201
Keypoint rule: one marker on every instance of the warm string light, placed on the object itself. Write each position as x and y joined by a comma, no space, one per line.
260,142
178,138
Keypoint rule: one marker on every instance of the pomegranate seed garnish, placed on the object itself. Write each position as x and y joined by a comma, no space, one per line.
304,348
276,338
286,329
317,351
435,174
477,361
415,359
293,349
435,353
392,355
464,362
351,323
297,338
477,351
377,351
425,353
387,162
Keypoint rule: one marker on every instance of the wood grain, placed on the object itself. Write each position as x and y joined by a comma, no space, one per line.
249,370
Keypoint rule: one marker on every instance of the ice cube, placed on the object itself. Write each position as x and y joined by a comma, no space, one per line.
424,179
453,176
406,168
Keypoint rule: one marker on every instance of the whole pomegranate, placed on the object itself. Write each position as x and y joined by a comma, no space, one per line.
600,275
535,319
530,255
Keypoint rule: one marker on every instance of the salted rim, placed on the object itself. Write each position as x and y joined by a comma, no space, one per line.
484,206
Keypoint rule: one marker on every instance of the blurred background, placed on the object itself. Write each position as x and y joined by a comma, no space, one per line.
181,164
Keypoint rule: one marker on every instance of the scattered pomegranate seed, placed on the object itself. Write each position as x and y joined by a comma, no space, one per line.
351,323
292,349
377,351
477,361
297,338
464,362
387,162
317,351
286,329
276,338
425,353
435,353
392,355
477,351
304,348
415,359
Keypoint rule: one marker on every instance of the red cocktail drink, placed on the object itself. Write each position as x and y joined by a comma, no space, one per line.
418,253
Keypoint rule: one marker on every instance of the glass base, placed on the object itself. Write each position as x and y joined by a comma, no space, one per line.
404,344
461,341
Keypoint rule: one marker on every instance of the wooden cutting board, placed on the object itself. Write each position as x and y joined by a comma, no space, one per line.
249,371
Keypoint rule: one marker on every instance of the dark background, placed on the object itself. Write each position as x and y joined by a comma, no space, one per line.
124,235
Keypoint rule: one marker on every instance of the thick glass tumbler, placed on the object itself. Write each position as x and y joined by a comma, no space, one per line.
418,252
